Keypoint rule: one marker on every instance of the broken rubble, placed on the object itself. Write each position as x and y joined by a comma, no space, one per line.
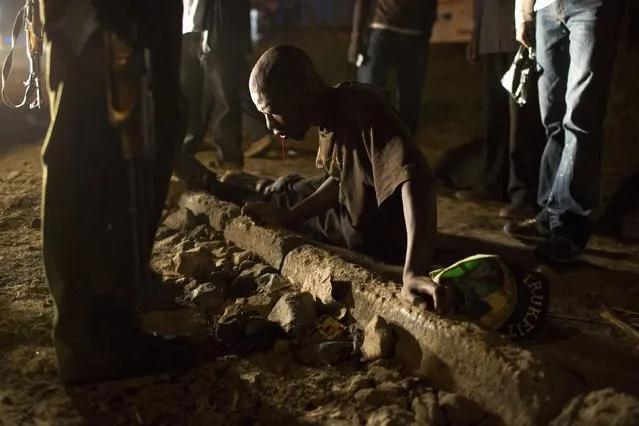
185,245
379,340
382,375
247,264
459,410
427,410
208,295
241,256
223,264
246,283
194,263
360,382
374,397
320,285
272,282
182,219
212,246
599,408
392,415
201,232
238,328
262,303
325,352
295,313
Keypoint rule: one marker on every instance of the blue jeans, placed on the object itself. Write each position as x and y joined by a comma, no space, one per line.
408,54
576,46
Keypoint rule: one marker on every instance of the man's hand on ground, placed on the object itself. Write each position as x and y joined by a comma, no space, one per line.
415,288
526,33
263,213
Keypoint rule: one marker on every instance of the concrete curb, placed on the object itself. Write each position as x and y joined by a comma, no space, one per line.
519,386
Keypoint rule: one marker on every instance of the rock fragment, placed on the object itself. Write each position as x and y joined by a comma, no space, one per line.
603,407
272,282
241,256
182,219
379,340
208,295
212,246
459,410
325,352
427,410
262,303
295,313
393,415
374,397
360,382
194,263
382,375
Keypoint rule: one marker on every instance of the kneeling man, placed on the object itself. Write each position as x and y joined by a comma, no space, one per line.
376,194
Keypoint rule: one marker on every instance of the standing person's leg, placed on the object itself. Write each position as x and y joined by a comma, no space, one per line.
496,126
89,267
199,101
526,143
575,189
87,231
553,60
380,55
226,81
411,72
192,79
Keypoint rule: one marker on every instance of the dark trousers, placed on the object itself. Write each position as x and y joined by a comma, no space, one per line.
408,54
216,87
87,232
576,44
514,136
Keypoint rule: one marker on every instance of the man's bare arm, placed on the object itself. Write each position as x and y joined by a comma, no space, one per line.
524,25
325,198
360,17
420,216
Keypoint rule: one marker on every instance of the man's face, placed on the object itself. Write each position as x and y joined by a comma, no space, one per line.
287,113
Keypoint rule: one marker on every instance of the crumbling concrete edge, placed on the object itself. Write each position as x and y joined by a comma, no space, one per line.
519,386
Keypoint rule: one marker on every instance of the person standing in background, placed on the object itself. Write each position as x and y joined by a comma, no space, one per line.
215,71
576,43
96,272
399,38
513,134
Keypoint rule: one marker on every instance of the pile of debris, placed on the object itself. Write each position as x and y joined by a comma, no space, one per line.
257,314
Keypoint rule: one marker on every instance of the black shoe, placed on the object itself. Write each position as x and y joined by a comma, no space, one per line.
516,210
558,250
529,230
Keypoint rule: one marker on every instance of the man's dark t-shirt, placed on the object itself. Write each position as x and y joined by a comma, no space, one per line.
365,145
412,15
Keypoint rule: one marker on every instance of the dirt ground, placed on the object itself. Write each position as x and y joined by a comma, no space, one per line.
275,388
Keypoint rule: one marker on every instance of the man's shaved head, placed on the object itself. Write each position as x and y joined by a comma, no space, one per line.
283,86
283,68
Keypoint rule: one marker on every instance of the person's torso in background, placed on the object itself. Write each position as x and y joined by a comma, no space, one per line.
405,16
497,31
229,25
